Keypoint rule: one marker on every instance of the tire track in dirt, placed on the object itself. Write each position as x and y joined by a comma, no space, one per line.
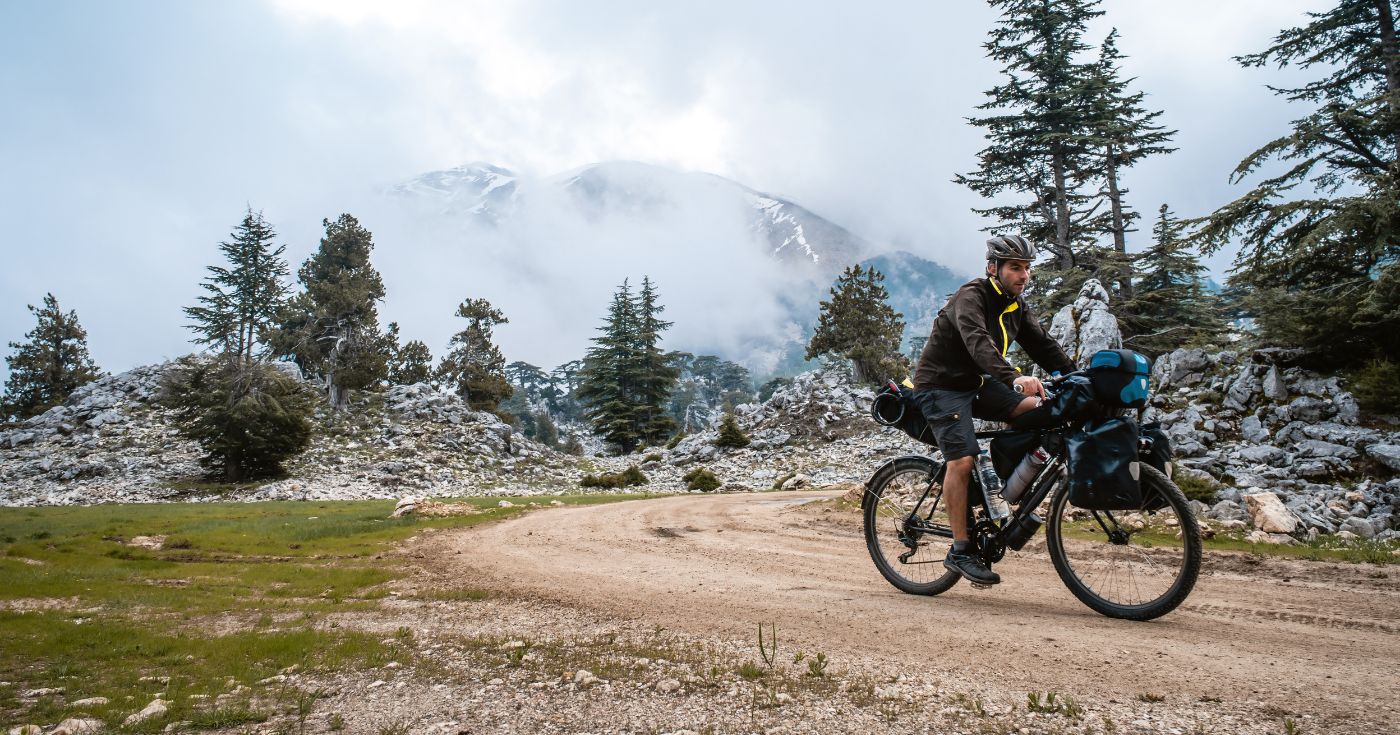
723,564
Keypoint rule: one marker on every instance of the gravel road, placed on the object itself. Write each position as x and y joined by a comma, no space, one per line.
1281,638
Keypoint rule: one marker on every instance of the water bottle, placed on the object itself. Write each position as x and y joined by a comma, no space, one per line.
1021,477
991,488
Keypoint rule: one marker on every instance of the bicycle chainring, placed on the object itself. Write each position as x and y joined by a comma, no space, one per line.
986,535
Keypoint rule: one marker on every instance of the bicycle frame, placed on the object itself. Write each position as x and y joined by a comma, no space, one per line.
1041,487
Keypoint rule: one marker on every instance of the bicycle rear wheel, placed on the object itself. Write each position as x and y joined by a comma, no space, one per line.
1136,565
906,526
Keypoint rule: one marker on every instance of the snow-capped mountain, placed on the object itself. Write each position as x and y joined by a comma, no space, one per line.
492,194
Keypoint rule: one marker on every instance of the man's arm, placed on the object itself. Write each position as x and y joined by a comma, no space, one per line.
1046,352
970,310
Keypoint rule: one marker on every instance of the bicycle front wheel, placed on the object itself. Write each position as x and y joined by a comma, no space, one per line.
906,526
1136,565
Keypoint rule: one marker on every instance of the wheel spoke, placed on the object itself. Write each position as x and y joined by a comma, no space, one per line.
1134,564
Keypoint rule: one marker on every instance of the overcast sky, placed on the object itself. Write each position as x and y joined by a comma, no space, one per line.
135,133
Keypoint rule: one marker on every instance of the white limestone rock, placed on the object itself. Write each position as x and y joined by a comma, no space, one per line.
1268,513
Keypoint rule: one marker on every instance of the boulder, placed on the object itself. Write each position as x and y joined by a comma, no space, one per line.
1359,526
1264,454
79,726
1252,429
1274,387
1087,325
1242,388
157,708
1386,454
1180,367
1309,409
1319,448
1268,513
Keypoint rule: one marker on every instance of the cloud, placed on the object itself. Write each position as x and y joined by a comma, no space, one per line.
138,132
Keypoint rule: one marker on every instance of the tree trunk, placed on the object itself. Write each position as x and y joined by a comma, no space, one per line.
1390,51
1064,256
1115,199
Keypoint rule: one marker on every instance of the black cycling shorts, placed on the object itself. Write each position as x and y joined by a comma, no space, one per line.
950,413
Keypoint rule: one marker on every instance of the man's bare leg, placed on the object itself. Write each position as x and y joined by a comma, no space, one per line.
955,483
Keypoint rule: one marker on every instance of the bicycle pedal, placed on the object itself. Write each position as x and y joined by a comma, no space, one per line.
980,586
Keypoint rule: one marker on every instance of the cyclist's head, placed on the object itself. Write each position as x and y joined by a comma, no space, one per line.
1009,260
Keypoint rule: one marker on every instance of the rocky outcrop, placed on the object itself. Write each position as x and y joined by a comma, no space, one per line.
1257,422
112,441
1087,326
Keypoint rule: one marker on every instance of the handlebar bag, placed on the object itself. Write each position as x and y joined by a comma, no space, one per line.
1072,401
1119,378
1103,465
894,406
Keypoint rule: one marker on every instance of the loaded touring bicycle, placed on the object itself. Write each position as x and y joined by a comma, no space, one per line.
1120,533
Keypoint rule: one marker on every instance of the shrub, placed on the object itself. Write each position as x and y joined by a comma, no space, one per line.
1374,386
1195,487
248,417
730,435
675,440
626,478
701,479
653,457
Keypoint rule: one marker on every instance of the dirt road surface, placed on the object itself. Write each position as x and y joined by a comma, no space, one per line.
1291,638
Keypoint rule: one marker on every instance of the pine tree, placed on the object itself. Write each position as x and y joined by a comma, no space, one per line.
49,365
858,324
248,416
1125,133
1317,239
242,300
656,376
730,435
1042,138
1172,306
331,329
608,382
474,366
409,363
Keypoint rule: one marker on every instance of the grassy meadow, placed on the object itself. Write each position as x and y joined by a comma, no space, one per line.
237,594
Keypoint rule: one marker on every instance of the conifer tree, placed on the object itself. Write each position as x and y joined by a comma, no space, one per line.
409,363
331,329
248,416
608,381
242,300
49,365
656,376
474,366
1172,306
1042,143
1318,238
1125,132
858,324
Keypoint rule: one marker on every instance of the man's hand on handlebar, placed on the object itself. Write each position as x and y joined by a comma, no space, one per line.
1029,386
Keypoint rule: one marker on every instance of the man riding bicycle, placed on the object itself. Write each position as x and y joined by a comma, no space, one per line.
963,373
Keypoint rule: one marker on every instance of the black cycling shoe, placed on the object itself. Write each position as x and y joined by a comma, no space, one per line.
971,567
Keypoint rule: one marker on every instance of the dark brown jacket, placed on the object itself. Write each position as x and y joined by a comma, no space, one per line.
972,334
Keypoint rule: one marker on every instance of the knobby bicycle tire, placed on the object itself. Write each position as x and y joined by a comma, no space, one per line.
883,513
1153,481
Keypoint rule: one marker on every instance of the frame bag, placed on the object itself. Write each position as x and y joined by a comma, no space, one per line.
1119,378
1103,465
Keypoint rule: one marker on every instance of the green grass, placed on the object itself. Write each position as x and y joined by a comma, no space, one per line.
1325,548
238,594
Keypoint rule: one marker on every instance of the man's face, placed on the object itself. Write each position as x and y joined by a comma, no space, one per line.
1014,275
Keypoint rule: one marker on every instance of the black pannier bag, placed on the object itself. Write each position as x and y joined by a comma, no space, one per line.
894,406
1119,378
1010,448
1155,449
1103,471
